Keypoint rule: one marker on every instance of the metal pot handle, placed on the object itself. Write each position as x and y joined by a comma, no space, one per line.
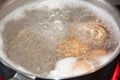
19,76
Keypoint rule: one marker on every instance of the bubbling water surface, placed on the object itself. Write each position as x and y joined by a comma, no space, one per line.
30,33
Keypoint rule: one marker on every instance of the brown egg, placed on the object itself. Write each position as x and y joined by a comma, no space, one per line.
91,32
82,38
72,47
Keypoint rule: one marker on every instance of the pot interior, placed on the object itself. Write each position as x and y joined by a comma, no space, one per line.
58,39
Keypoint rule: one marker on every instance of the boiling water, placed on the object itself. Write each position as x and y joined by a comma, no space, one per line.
30,33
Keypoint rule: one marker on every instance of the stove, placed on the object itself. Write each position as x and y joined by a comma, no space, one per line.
109,72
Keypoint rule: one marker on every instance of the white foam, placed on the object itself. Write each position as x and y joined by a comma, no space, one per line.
63,68
67,67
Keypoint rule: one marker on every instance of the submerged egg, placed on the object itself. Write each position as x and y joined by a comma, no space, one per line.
90,32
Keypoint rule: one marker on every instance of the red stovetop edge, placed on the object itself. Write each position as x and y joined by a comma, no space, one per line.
116,75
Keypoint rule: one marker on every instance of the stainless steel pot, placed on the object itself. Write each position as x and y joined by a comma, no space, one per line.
10,5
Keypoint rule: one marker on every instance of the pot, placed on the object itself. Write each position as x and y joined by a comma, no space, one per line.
10,5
